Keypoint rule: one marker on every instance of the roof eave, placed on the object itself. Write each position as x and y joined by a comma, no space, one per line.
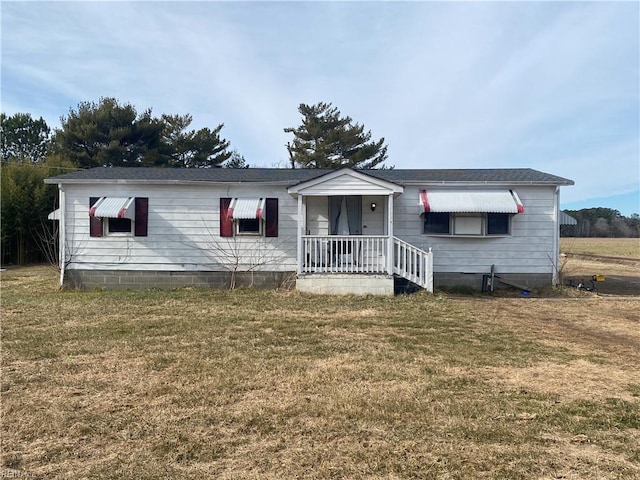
121,181
486,182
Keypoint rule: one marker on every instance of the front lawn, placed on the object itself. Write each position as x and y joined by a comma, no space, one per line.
259,384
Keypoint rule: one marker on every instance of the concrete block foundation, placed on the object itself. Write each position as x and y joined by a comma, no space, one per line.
345,284
166,280
474,280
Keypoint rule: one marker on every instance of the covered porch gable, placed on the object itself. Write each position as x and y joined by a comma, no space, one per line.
345,203
345,182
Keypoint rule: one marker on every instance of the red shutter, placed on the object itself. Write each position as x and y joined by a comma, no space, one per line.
95,223
142,216
226,222
271,217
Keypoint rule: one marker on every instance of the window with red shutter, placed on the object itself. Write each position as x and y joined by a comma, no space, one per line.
119,216
248,216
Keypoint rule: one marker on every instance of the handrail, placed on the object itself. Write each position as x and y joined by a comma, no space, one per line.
366,254
344,253
413,263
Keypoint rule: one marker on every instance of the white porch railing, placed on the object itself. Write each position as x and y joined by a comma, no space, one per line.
344,254
413,263
366,254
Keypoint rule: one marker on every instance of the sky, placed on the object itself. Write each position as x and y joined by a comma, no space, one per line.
553,86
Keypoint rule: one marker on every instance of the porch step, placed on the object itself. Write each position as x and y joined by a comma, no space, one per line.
413,264
404,286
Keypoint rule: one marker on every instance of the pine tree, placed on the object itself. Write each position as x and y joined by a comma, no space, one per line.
328,140
236,161
108,133
23,139
193,148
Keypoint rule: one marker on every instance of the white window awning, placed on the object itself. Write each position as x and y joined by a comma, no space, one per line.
469,201
113,207
246,208
55,215
566,219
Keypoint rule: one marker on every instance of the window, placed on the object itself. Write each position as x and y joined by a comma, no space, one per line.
469,212
118,225
248,226
248,216
118,216
436,223
498,224
465,224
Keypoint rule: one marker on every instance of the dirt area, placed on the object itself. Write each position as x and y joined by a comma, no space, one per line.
621,275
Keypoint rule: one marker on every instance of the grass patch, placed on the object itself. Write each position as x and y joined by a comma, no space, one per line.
259,384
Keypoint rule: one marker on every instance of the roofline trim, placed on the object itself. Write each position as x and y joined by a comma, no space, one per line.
74,181
486,182
121,181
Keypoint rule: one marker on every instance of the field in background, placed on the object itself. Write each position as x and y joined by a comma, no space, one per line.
252,384
616,247
615,259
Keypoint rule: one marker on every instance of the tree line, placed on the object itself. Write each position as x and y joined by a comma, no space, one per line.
601,222
113,134
110,133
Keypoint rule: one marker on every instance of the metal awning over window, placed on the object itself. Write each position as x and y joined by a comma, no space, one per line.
246,208
566,219
113,207
465,201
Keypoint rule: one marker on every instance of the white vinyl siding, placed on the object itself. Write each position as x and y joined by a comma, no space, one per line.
373,221
527,249
183,231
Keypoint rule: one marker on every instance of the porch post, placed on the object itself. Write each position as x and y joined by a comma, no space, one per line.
62,230
556,238
390,234
301,224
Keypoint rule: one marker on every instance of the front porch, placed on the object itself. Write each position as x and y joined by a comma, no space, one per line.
345,237
361,264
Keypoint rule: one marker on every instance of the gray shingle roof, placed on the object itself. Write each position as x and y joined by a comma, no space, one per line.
480,175
215,175
291,176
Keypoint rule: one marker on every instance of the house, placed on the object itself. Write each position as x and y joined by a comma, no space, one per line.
326,231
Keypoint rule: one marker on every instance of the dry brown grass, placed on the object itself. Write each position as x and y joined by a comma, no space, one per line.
251,384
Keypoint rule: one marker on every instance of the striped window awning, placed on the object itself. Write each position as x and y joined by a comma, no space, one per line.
113,207
246,208
469,201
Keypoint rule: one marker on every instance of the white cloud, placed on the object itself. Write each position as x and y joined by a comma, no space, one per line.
540,85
